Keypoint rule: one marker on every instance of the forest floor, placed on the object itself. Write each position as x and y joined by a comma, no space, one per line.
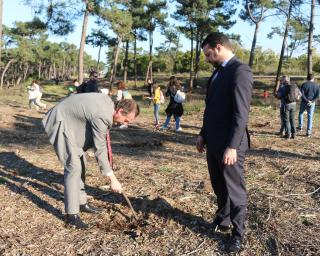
167,183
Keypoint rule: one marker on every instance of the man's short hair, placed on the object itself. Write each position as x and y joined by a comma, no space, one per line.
215,38
285,78
128,106
94,74
121,85
310,77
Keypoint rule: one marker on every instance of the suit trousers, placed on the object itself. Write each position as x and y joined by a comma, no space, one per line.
229,187
74,184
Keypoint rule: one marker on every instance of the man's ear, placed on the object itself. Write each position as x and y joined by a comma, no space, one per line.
219,47
119,111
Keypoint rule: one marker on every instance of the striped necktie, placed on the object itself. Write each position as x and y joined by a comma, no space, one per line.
109,149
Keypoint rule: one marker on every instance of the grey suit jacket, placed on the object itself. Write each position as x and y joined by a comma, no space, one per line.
80,122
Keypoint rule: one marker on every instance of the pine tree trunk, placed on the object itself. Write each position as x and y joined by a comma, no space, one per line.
197,62
253,45
82,43
116,61
191,61
99,53
135,60
310,37
1,15
25,73
112,67
39,69
64,68
18,81
149,72
54,70
50,72
125,73
283,47
4,72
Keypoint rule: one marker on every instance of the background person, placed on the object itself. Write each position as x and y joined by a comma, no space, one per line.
122,92
156,103
150,87
90,86
310,93
289,93
72,88
74,125
225,135
32,97
37,93
283,130
173,108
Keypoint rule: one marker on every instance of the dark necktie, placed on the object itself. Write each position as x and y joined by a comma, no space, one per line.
216,71
213,77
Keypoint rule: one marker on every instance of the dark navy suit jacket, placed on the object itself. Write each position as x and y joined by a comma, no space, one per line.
227,107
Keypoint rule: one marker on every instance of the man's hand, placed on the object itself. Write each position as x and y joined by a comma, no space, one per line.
200,144
230,156
309,103
115,184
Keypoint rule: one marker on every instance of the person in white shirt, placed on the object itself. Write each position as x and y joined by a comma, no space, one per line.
37,95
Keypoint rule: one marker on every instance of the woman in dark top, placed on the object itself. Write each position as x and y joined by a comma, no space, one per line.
174,108
150,87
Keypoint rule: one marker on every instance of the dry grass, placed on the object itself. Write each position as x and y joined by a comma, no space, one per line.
167,183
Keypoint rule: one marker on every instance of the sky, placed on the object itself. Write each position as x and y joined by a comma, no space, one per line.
14,10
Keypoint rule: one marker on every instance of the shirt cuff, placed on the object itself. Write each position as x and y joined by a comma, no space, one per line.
109,173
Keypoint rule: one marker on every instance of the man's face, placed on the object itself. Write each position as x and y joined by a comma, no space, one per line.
284,80
119,117
212,54
95,77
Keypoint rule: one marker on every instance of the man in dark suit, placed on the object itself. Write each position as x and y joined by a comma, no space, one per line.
224,134
91,85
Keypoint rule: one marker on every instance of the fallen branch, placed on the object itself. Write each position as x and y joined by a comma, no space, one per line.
194,251
269,216
288,195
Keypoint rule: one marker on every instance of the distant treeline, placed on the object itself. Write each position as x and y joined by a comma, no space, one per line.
121,24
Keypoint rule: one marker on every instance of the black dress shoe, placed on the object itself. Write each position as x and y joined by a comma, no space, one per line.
90,209
73,220
234,245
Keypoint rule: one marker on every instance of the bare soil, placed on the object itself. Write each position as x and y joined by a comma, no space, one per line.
168,185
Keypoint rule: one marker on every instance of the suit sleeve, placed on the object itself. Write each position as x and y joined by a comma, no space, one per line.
99,132
202,133
241,97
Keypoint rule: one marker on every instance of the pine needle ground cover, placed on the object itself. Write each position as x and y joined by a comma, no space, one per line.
167,183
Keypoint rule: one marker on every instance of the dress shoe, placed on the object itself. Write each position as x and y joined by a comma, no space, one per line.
293,136
73,220
89,209
234,245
